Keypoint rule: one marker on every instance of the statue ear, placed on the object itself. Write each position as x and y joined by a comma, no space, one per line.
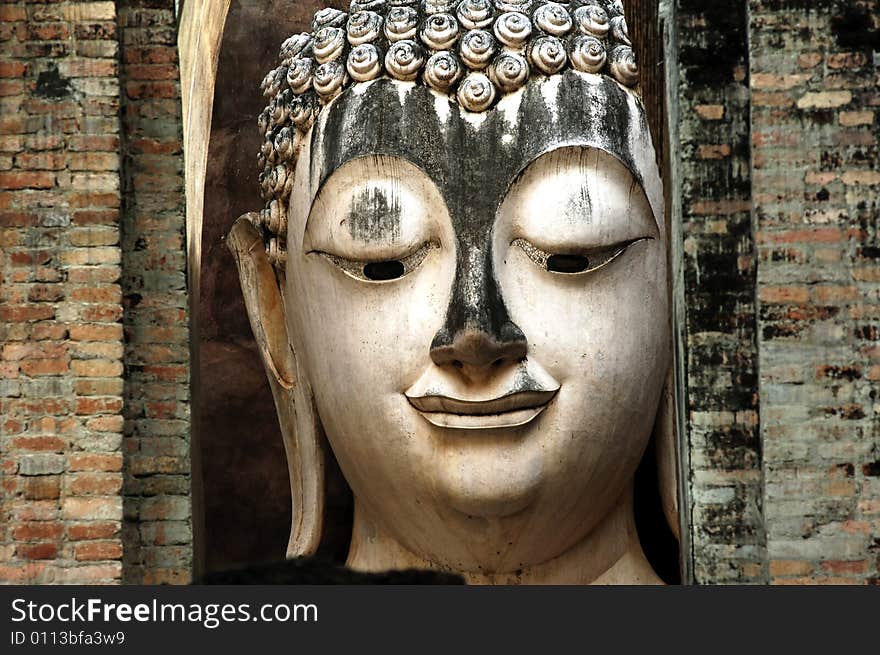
667,457
264,299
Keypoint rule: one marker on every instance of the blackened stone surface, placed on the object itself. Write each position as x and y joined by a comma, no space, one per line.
725,483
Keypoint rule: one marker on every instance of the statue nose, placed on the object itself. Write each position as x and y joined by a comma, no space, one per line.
476,349
478,333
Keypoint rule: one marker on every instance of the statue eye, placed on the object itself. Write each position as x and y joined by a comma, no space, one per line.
381,271
572,264
567,263
386,270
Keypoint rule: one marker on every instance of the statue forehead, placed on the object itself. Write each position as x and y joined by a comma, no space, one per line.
474,158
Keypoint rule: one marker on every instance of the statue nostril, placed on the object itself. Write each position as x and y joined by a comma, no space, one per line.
457,364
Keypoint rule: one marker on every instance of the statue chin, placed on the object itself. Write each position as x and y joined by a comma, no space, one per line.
468,300
486,488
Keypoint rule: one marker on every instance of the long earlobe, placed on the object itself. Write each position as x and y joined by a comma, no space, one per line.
262,297
300,427
667,457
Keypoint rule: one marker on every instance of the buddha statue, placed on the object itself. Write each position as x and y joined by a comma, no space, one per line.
458,286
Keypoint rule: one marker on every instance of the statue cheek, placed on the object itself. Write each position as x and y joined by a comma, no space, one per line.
369,337
601,327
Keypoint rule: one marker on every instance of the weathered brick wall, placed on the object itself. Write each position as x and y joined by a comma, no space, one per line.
61,377
721,403
779,193
158,530
91,243
816,190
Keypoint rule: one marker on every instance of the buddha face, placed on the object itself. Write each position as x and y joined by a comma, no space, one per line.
479,305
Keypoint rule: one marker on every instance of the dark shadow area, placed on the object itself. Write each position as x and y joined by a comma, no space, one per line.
658,542
315,570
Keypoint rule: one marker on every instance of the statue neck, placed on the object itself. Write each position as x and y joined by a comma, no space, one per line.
610,554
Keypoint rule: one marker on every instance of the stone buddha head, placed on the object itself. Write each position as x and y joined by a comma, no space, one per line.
459,285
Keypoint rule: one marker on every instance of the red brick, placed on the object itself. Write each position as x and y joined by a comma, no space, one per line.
21,573
40,444
37,530
790,567
30,257
783,294
155,147
37,551
38,510
27,349
97,295
94,484
27,180
102,313
92,530
152,72
46,293
93,274
714,151
48,31
37,367
96,217
829,293
93,143
98,550
97,405
142,90
12,12
45,161
776,99
96,368
105,424
94,161
43,487
97,350
720,207
11,87
813,235
91,574
845,567
95,462
88,68
93,199
96,332
44,331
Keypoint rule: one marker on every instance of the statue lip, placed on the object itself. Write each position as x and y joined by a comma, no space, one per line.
508,411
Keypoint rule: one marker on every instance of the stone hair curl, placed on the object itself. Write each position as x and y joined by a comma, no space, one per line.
475,51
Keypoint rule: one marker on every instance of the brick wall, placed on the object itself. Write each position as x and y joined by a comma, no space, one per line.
721,399
157,530
90,245
816,191
779,193
61,381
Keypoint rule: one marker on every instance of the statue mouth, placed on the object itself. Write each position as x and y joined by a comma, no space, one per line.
509,411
